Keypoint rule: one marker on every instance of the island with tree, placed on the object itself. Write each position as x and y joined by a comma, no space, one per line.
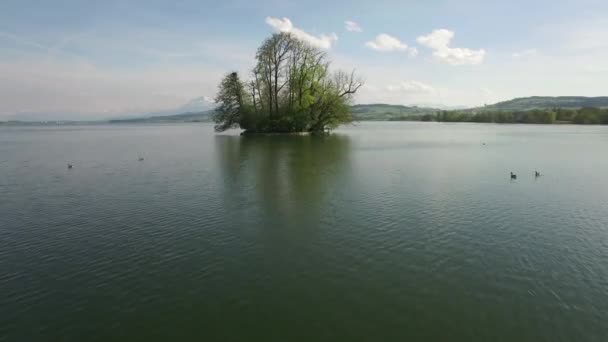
291,90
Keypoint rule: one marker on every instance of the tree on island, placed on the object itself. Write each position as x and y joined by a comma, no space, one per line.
292,90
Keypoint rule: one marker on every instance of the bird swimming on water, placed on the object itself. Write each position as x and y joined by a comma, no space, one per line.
513,176
537,174
69,166
141,159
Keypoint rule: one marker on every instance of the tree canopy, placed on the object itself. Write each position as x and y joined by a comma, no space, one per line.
291,90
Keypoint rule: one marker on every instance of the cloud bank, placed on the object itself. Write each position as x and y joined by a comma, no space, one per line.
352,26
285,25
439,41
387,43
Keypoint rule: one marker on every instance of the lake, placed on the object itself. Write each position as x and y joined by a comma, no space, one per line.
379,232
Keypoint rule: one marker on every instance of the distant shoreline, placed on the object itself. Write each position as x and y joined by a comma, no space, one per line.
559,110
129,122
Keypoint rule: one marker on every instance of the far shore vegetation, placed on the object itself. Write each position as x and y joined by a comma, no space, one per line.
583,116
291,90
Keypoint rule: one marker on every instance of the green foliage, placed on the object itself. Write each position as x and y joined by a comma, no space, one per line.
381,112
565,114
591,116
537,116
292,90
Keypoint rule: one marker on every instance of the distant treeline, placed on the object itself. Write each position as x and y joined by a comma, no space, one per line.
583,116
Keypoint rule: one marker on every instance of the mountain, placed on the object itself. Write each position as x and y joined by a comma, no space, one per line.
203,116
547,102
382,111
197,105
199,109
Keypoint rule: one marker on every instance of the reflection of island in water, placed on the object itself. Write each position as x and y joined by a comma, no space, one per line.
288,178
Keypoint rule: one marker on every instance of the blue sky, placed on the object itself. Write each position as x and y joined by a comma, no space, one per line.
98,59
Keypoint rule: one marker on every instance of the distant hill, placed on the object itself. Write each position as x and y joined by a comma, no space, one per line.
381,111
387,112
204,116
547,102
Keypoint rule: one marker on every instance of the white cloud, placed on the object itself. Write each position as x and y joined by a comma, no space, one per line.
525,53
439,40
411,87
387,43
285,25
352,26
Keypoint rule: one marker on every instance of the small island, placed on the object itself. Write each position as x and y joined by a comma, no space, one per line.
291,91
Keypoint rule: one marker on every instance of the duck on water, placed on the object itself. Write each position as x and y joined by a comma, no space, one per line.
536,174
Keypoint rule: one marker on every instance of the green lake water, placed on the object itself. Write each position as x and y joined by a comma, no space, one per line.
379,232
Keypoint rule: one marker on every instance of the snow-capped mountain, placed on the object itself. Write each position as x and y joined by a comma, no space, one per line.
199,104
196,105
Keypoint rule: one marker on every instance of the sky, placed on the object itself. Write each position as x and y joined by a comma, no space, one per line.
68,59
